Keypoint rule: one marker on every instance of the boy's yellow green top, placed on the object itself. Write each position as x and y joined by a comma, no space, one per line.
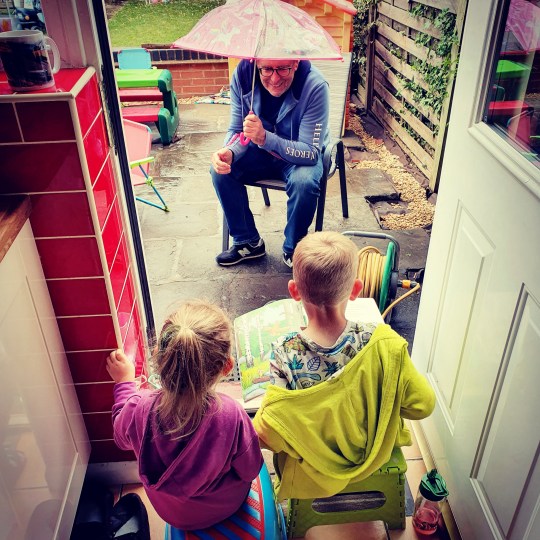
344,429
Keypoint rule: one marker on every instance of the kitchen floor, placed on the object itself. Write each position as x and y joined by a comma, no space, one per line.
374,530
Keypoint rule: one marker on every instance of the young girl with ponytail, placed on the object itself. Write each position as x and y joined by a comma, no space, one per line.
196,449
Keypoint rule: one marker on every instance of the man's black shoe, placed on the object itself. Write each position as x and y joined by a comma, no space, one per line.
241,252
287,259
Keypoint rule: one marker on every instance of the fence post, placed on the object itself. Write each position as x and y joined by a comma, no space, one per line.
440,143
370,56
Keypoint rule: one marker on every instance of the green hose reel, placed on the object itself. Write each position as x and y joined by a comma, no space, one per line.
389,281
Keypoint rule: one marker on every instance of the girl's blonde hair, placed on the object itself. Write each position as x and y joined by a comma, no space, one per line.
193,349
325,267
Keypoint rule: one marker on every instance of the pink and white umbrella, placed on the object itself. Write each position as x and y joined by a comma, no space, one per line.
256,29
524,22
260,29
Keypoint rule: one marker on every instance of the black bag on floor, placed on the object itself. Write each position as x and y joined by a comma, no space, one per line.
129,519
93,517
98,519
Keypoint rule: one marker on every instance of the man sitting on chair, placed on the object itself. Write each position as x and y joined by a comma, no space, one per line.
288,128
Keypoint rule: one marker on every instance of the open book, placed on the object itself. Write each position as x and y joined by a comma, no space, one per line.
256,330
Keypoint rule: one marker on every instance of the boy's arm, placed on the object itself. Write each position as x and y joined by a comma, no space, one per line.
277,371
418,398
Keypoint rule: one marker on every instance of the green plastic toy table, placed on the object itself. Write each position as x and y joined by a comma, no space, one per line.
165,117
144,78
509,76
507,69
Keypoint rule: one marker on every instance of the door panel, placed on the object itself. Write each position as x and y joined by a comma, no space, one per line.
469,258
478,330
513,418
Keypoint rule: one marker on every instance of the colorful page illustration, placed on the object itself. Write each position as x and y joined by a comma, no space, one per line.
254,333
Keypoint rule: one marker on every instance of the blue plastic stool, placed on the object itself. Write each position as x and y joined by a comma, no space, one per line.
135,58
259,518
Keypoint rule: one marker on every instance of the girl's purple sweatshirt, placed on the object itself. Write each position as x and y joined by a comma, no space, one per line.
193,483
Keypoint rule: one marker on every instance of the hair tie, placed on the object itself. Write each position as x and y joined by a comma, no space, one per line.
167,334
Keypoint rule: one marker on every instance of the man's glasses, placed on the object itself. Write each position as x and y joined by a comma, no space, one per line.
269,71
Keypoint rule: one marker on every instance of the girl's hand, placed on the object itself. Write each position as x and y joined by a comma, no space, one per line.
120,367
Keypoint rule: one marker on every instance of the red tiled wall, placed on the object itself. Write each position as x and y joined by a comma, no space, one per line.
76,216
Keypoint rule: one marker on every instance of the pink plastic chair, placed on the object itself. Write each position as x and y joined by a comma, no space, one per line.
138,138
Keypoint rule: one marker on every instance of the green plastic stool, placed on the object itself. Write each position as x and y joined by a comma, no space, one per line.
379,497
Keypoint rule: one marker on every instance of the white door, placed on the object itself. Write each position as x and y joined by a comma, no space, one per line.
478,331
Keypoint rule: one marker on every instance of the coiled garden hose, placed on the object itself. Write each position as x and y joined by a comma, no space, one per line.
415,287
374,270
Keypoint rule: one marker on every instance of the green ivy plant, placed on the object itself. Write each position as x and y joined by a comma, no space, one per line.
438,76
361,29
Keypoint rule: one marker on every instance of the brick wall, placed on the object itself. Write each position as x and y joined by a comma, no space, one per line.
194,73
198,78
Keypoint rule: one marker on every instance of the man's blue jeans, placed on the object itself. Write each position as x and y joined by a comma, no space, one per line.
302,188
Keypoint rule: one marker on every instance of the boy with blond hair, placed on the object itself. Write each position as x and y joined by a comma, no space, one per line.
324,279
342,389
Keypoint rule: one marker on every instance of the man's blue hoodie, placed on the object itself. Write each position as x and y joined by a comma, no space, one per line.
300,132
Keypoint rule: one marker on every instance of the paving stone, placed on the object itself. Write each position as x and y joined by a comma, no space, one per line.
188,164
199,188
355,156
351,140
167,296
168,188
161,249
261,289
209,142
201,118
374,184
183,220
180,246
196,259
414,245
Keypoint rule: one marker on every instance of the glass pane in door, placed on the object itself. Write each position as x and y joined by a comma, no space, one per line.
513,106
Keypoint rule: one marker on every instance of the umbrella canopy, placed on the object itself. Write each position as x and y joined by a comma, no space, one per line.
524,22
262,29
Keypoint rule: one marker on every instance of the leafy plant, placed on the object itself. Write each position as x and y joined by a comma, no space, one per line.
361,28
446,23
436,75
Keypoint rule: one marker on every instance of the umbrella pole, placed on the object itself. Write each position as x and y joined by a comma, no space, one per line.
244,140
253,85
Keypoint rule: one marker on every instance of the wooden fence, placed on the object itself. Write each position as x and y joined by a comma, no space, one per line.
395,47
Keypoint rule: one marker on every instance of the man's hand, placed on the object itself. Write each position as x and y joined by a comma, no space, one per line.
254,129
222,160
120,367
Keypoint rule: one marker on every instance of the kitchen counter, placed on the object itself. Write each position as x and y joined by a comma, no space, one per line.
14,211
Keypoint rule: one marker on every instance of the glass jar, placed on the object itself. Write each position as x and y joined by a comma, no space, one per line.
427,506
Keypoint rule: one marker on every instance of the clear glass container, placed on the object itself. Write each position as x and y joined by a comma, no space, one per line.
427,506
